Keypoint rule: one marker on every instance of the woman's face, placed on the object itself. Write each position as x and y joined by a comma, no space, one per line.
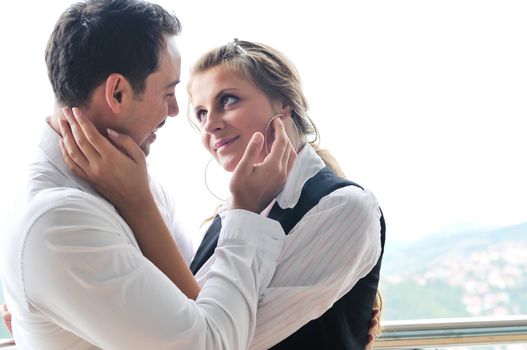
229,110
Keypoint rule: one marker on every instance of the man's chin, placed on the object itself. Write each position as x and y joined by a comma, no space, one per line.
145,147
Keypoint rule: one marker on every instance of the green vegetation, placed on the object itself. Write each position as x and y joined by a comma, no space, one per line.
407,301
456,274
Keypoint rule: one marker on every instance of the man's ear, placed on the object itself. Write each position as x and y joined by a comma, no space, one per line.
118,91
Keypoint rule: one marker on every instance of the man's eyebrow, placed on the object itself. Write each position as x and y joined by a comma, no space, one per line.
172,84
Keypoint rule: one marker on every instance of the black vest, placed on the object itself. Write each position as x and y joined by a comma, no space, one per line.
345,325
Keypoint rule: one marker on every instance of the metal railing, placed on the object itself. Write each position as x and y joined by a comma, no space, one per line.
439,333
452,332
7,344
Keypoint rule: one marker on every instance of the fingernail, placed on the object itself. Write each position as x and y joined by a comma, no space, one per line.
75,112
66,113
257,139
112,132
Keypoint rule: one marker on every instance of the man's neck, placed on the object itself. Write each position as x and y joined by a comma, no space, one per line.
53,120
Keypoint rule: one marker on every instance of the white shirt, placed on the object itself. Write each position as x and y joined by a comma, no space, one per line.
334,245
74,277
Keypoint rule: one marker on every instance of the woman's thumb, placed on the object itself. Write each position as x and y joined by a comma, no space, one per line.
254,147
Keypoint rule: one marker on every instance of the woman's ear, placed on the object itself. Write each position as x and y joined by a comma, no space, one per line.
287,111
117,92
282,107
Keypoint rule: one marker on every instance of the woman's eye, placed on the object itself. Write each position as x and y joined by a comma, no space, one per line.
200,116
228,100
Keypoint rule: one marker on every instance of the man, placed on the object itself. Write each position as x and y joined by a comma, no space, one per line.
71,265
73,273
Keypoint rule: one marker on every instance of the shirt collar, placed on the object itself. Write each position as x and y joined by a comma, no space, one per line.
49,145
307,164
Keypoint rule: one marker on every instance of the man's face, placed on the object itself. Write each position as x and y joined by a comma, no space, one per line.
158,100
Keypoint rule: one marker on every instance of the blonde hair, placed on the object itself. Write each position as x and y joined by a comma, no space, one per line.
275,75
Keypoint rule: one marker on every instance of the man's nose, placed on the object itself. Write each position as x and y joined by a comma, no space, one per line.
173,108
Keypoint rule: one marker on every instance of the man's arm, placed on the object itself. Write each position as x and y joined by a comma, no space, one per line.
81,272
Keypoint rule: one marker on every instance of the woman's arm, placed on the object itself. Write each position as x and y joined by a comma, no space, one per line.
157,244
123,180
120,175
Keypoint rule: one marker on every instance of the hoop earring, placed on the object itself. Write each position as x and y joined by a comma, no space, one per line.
267,127
269,124
207,184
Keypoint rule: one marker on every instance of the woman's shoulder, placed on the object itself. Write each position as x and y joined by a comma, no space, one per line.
353,198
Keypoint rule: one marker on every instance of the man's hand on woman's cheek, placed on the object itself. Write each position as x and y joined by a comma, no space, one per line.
6,317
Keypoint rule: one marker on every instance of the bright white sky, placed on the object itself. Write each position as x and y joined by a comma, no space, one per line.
423,102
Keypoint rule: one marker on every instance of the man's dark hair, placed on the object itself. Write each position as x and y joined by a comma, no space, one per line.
95,38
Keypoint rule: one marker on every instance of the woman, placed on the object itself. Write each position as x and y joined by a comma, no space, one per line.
326,281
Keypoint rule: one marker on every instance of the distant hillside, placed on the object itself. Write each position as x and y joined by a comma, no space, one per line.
477,272
409,257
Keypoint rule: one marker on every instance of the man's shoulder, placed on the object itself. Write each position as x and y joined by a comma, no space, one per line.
57,218
63,233
43,222
51,199
54,208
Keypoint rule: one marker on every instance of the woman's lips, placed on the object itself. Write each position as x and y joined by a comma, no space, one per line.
221,143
